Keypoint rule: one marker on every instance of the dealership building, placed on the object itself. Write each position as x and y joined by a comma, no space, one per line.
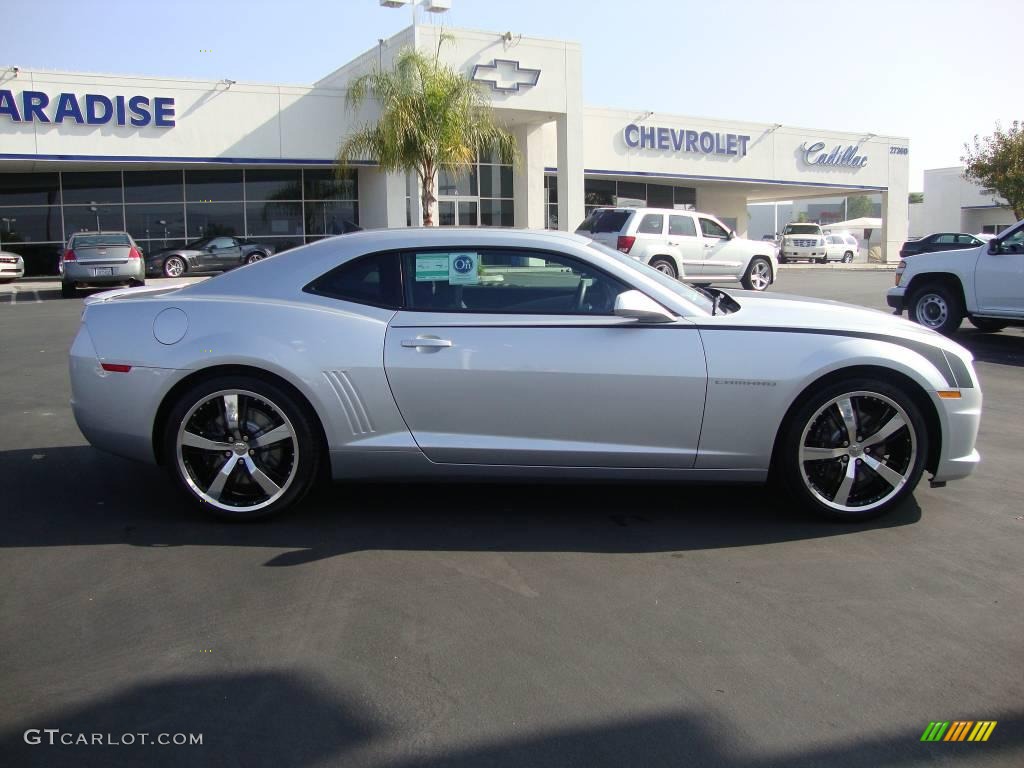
953,203
172,160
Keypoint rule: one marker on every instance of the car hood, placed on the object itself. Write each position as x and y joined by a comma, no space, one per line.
936,260
779,310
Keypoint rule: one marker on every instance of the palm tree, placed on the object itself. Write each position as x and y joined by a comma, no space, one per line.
430,117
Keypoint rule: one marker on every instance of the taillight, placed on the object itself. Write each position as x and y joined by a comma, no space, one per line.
69,255
624,243
134,254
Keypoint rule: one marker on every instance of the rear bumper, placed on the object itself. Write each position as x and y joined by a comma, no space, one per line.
83,272
115,410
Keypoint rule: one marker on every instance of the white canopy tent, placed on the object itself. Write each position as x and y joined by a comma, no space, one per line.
863,222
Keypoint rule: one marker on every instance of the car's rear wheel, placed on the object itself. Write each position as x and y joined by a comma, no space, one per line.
847,257
174,266
758,276
988,325
936,307
823,260
242,447
665,265
855,449
67,290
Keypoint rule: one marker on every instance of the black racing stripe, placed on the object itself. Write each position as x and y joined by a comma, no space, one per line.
943,363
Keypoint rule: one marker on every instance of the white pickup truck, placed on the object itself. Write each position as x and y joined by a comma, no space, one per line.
985,284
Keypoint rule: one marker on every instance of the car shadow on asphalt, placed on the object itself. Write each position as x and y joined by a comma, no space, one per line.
289,718
102,499
999,348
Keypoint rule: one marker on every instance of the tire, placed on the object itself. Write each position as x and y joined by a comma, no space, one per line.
287,465
174,266
666,265
823,261
987,325
935,306
783,260
136,283
67,290
759,274
816,466
252,258
847,258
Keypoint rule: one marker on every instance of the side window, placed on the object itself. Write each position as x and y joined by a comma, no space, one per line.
682,225
651,224
223,242
516,282
713,229
966,240
1013,243
375,280
945,239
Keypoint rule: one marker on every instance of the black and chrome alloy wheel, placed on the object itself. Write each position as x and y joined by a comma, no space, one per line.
854,451
242,448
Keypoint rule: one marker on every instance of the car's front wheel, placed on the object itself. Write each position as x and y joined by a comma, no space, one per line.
855,449
936,307
665,265
847,257
242,447
67,290
758,275
252,258
174,266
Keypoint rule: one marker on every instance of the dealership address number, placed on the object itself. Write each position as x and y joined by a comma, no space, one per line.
899,150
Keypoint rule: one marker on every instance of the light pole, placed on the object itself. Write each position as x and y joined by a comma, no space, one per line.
430,6
95,210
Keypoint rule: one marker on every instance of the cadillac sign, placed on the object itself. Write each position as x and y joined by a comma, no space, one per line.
842,157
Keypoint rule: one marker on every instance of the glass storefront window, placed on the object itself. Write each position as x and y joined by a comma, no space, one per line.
685,198
213,186
210,219
157,221
29,189
631,194
272,184
153,187
92,187
597,192
81,218
274,218
37,224
660,196
496,181
325,184
451,182
327,217
497,213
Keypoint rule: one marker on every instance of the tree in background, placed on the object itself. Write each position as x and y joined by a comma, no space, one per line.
996,163
430,117
915,197
859,206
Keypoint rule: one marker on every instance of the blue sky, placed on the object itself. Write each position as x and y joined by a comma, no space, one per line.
938,71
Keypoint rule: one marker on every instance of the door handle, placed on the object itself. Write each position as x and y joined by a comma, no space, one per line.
710,245
427,342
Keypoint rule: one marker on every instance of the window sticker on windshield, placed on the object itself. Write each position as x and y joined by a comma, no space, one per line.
431,266
464,268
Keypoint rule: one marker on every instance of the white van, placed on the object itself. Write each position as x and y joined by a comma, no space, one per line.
684,244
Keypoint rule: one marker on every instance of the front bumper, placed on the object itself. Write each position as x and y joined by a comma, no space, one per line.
960,421
84,272
792,252
11,271
894,298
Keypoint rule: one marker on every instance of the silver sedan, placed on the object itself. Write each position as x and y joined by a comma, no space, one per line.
474,353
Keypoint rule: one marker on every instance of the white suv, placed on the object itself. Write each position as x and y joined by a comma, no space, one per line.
684,244
802,240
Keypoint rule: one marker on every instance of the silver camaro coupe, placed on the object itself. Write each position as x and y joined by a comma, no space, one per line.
474,353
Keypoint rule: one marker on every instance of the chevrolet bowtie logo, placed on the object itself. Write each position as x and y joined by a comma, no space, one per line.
505,75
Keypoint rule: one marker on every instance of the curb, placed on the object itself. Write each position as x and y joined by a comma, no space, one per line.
843,267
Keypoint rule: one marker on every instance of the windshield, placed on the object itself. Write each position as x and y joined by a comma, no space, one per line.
99,241
802,229
688,292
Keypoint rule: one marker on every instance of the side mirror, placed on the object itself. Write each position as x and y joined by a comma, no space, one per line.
993,246
641,307
211,248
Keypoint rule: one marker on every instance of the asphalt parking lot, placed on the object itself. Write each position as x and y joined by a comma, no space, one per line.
501,625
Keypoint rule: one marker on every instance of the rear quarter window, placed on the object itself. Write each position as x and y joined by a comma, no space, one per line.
375,280
651,224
